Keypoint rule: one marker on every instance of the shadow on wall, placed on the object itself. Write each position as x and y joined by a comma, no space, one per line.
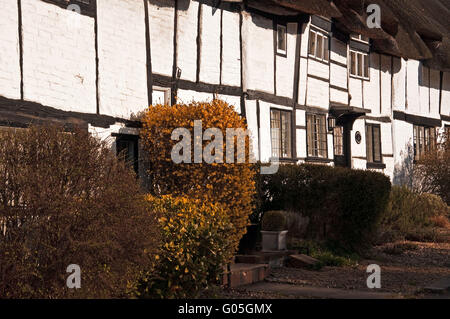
404,171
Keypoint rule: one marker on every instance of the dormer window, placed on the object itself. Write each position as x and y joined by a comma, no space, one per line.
319,45
359,64
360,37
281,40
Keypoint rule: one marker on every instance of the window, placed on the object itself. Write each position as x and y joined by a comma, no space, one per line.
338,136
423,75
127,149
160,95
280,129
360,37
359,64
373,143
316,130
318,45
424,140
281,40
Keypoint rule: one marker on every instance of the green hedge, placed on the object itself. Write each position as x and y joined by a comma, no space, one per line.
343,205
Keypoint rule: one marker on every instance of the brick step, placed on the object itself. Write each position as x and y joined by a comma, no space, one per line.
244,274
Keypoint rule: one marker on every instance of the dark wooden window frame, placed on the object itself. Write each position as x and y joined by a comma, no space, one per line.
372,159
128,138
323,34
291,140
316,156
282,25
428,144
356,76
341,145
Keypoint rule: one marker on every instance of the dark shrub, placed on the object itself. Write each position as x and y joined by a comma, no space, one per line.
274,221
342,205
433,169
412,216
65,199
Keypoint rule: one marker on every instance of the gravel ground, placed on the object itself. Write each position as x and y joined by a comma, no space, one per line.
406,268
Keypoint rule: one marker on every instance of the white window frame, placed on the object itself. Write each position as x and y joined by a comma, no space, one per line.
325,40
167,93
281,51
363,54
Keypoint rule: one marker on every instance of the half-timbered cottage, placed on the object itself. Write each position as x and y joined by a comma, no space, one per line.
314,82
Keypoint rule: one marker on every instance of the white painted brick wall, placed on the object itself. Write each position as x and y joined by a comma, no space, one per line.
302,81
399,84
59,57
338,96
9,53
258,53
187,39
445,107
210,45
286,65
161,23
252,122
372,87
318,93
355,91
338,75
235,101
122,57
435,79
231,55
187,96
386,85
412,87
319,69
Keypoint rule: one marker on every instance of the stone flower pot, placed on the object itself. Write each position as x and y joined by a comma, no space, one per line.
273,240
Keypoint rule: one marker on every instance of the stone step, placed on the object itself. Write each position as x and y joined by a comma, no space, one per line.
244,274
273,258
302,261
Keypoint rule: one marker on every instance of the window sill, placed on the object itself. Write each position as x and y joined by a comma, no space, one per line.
376,165
318,160
282,160
312,57
357,77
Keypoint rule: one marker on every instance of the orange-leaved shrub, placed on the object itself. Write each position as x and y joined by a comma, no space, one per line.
66,199
229,184
193,249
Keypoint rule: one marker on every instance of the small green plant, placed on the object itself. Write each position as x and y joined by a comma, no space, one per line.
274,221
327,253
